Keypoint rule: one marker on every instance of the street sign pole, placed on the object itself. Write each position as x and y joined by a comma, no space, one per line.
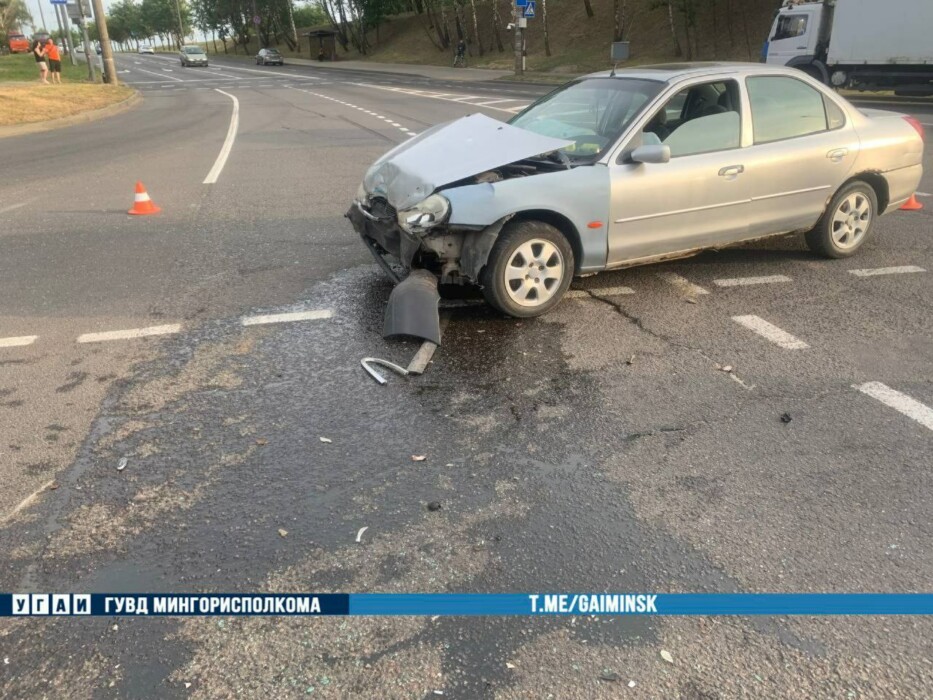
66,30
519,40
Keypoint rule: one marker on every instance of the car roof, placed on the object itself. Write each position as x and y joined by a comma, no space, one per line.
668,72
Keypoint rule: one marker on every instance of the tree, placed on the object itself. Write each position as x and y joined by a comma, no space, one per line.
13,14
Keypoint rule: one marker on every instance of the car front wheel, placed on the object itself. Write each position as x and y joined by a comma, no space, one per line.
847,222
529,269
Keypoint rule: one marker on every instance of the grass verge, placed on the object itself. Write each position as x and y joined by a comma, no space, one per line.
28,104
22,68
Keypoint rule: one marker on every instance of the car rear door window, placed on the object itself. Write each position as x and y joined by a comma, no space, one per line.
784,108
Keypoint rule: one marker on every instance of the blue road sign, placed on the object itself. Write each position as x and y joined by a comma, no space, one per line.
59,2
529,11
521,3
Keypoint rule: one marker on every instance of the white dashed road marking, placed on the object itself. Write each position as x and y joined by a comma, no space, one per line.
287,317
17,342
745,281
611,291
450,97
899,402
871,272
771,332
682,283
129,334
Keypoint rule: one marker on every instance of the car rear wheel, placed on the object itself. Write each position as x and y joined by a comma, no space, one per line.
847,223
529,269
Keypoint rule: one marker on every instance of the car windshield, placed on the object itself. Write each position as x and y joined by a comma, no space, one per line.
193,49
592,113
272,52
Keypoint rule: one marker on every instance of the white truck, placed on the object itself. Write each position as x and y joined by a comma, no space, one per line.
858,44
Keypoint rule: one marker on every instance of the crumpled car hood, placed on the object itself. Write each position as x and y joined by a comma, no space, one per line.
449,152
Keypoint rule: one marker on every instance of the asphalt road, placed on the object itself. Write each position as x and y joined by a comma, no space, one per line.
603,447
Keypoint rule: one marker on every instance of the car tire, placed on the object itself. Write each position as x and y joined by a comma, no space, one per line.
847,222
548,257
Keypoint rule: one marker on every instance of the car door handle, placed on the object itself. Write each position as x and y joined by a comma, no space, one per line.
838,154
731,170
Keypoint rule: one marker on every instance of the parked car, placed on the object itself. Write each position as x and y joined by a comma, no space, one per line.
623,168
192,56
18,43
146,48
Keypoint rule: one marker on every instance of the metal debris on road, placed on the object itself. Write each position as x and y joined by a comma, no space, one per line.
666,655
366,361
785,418
434,505
261,441
726,368
325,440
508,665
690,300
418,458
359,534
630,361
611,676
122,464
282,532
631,684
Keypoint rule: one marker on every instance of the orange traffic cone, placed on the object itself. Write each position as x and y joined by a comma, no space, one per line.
142,204
912,204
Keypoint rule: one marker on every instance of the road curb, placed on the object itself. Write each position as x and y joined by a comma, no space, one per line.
82,118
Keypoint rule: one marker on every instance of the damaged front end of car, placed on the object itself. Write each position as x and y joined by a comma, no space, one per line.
403,213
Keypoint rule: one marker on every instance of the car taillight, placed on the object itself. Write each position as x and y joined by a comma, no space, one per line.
915,123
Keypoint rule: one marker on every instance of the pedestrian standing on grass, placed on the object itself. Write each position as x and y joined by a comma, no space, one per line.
55,61
39,52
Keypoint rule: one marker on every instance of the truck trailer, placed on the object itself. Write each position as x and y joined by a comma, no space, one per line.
857,44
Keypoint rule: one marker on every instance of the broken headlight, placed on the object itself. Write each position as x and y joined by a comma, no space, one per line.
362,196
424,215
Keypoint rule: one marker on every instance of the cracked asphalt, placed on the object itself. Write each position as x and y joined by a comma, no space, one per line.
641,441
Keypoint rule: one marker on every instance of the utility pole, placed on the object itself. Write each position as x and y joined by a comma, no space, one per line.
82,12
42,16
106,52
181,25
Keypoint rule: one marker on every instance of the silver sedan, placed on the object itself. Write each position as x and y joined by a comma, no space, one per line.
630,167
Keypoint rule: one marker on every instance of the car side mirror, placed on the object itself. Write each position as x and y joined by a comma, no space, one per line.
654,153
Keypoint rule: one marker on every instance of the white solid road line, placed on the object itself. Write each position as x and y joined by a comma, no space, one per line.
129,334
228,142
745,281
4,210
18,342
923,194
682,283
871,272
287,317
161,75
899,402
771,332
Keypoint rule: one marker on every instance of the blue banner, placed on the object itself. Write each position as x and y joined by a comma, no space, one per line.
461,604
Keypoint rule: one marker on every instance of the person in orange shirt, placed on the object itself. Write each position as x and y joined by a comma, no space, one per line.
55,61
